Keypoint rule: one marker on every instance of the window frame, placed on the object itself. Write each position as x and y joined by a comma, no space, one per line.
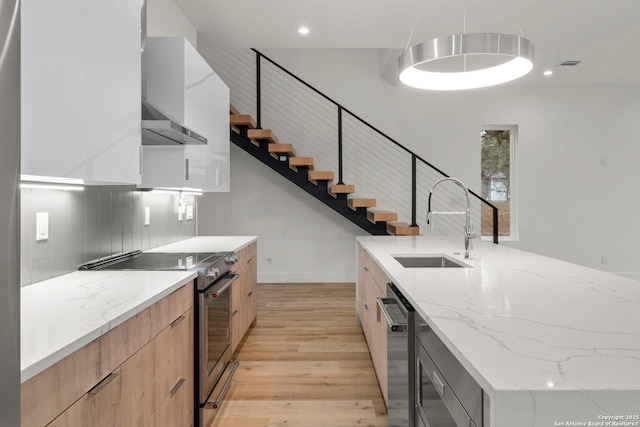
513,189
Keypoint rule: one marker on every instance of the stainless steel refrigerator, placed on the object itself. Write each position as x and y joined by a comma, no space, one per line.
9,213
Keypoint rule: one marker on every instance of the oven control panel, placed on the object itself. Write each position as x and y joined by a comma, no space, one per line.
231,259
213,272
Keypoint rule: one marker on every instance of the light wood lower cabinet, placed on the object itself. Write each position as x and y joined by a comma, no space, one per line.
122,398
372,283
138,374
244,295
177,408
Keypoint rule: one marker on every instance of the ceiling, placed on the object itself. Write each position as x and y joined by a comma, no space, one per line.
603,34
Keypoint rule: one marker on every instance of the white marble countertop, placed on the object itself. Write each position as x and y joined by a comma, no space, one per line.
208,244
549,341
61,315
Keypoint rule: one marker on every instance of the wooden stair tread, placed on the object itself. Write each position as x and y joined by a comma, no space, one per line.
381,216
342,189
402,229
296,162
315,176
256,135
282,149
361,203
242,120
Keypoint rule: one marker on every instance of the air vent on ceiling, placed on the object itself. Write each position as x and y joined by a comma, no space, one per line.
569,63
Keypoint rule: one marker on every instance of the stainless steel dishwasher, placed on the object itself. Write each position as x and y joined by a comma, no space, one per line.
446,394
400,357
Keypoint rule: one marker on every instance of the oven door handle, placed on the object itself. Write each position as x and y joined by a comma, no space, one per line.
225,387
229,278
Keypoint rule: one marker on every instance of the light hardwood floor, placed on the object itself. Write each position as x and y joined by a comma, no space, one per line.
304,363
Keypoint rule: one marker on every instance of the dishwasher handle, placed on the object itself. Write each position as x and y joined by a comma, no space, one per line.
393,325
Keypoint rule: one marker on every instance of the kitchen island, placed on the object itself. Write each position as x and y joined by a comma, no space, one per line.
550,343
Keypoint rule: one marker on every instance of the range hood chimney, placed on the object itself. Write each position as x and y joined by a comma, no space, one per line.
157,128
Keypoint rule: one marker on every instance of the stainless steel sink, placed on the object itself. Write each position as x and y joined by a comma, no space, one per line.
429,261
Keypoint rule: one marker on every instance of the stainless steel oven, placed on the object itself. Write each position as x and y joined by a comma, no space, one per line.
213,369
446,394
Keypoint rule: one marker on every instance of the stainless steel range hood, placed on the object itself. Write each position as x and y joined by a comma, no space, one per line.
158,129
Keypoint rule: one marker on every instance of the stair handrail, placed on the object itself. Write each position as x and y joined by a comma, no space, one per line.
341,108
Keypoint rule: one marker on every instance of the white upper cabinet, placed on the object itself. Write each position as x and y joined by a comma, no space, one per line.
181,85
81,90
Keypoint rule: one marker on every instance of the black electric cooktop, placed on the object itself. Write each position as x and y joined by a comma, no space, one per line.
157,261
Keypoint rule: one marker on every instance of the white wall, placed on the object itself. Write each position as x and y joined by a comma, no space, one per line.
165,18
301,239
576,161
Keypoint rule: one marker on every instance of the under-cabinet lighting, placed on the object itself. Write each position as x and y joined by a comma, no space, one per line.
40,186
51,179
184,190
303,30
548,72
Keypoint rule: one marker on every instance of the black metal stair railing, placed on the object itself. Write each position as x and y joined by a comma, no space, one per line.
300,178
419,167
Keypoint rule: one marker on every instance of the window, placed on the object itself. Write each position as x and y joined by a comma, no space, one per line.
497,175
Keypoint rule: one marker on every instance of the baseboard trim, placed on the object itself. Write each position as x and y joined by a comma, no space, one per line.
296,277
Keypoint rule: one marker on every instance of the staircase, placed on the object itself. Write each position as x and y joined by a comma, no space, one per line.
282,158
345,148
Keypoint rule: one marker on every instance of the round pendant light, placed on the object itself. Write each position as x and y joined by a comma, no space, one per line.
515,54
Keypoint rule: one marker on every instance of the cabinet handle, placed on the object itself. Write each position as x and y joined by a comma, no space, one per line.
250,293
140,160
178,320
234,312
177,386
366,269
437,382
366,307
186,169
102,384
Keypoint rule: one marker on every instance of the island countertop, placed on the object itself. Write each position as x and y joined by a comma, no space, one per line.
550,342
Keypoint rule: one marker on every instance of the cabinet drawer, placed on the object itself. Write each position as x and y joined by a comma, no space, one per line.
251,308
379,276
122,342
173,354
176,410
53,390
119,399
170,308
245,254
252,250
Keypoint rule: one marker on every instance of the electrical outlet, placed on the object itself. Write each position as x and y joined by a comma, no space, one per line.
603,260
42,226
147,215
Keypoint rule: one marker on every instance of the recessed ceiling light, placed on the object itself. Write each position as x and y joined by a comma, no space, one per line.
548,72
303,30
